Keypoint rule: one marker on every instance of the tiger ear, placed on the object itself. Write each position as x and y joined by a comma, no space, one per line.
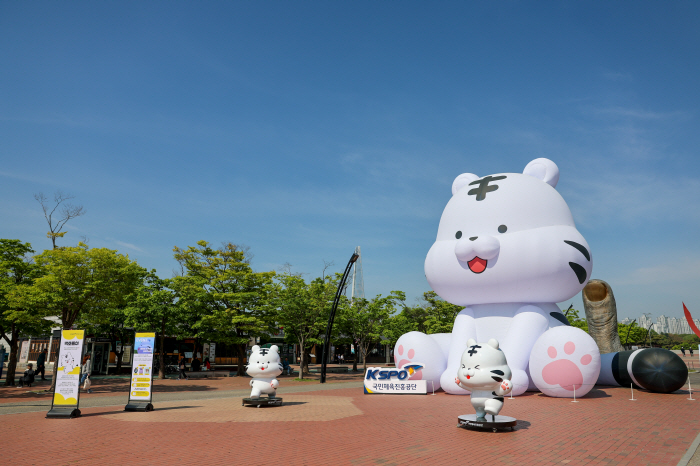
543,169
462,180
471,342
493,343
255,349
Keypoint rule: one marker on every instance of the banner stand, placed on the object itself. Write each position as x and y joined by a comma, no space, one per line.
70,351
138,406
141,382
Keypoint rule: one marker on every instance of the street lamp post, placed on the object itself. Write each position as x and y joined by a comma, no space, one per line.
338,293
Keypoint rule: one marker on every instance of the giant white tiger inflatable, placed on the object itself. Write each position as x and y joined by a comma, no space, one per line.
508,250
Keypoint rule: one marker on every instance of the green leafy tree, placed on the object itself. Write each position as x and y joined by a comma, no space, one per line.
225,295
19,315
366,320
302,310
575,320
154,307
112,323
398,325
79,281
440,315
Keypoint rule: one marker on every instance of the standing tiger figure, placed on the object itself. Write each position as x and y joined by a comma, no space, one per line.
508,250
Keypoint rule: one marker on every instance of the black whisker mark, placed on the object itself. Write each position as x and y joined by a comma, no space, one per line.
560,317
497,372
581,248
497,379
580,272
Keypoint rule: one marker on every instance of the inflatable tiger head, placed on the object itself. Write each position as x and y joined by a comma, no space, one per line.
508,237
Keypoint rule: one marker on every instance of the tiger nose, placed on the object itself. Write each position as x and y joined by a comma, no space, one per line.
473,238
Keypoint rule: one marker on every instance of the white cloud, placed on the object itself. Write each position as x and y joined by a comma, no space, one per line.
676,271
129,246
632,198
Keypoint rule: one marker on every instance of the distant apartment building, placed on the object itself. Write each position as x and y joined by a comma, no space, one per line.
676,325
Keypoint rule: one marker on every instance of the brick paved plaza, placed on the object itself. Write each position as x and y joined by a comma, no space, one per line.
203,422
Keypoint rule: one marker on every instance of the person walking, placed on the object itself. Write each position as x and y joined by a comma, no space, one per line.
683,350
183,369
195,364
85,371
691,351
41,363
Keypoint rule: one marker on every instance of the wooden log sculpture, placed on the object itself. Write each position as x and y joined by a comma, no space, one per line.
601,314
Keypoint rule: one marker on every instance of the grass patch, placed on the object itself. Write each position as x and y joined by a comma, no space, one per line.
305,380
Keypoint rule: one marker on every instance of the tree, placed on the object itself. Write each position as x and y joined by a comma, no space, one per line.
575,320
18,316
221,290
80,281
302,310
440,315
67,211
113,324
365,321
153,307
398,325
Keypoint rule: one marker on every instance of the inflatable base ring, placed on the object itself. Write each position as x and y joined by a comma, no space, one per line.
495,423
258,402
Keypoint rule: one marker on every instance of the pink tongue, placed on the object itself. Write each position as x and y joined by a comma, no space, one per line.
477,265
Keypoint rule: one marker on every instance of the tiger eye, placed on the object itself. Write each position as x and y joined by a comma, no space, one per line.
458,235
502,229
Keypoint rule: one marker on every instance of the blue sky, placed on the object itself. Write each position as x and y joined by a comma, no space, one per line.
304,129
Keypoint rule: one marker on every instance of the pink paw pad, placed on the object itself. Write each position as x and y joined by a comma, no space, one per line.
564,372
410,354
565,362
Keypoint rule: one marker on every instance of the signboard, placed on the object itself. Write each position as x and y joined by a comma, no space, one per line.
390,380
142,368
212,353
70,350
126,357
24,353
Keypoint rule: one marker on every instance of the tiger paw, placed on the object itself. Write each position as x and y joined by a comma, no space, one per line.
565,362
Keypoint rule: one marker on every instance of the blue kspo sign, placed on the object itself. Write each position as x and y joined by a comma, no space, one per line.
386,374
394,381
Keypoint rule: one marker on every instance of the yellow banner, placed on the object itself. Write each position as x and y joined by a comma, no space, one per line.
73,334
145,335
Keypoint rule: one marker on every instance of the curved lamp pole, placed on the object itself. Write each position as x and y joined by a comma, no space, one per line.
338,293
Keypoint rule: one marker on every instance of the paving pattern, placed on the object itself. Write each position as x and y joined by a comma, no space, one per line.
336,424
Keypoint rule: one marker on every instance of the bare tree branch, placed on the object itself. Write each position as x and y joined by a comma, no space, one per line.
67,212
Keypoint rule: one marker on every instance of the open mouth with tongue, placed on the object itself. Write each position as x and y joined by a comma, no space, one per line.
477,265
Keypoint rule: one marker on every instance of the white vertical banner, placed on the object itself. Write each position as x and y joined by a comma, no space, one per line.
24,352
142,367
68,375
212,353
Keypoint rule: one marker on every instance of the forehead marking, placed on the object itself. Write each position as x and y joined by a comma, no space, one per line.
472,351
484,187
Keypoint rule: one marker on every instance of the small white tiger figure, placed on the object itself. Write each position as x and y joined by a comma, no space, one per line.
485,372
264,366
68,363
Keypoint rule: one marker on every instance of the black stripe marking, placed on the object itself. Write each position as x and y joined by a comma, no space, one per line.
581,248
497,379
499,398
497,372
580,272
560,317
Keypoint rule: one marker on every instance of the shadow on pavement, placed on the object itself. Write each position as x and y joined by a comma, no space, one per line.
596,393
121,410
522,425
